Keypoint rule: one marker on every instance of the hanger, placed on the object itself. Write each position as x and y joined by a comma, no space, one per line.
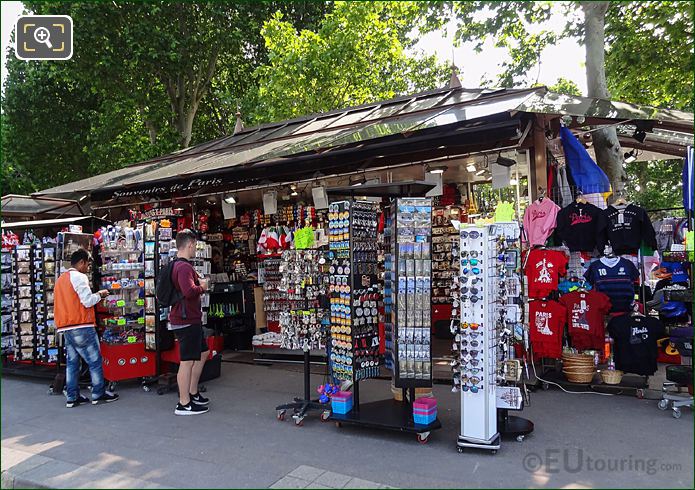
608,252
541,194
620,201
635,311
580,197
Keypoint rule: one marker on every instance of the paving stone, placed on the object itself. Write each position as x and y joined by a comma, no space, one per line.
309,473
20,461
360,483
290,482
315,485
333,480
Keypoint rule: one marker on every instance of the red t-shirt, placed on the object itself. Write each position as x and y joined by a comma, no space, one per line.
546,326
543,270
586,312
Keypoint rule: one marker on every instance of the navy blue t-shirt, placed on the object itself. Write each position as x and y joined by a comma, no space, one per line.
616,279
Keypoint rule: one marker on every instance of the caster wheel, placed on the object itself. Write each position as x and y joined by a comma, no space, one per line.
494,451
325,415
545,386
676,413
145,388
281,415
423,438
161,391
338,425
299,422
460,450
519,438
112,387
640,394
663,404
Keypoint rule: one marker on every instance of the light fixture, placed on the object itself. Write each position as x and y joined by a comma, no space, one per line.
630,156
513,181
480,172
640,135
229,199
435,170
470,167
504,161
293,189
358,180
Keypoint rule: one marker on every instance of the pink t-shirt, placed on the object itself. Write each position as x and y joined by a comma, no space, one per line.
540,219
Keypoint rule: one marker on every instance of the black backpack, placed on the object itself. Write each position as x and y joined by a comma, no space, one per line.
166,293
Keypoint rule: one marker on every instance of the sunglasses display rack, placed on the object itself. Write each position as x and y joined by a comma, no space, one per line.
8,311
274,300
411,264
491,310
303,327
49,279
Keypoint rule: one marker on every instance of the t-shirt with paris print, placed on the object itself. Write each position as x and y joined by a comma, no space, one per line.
546,326
543,269
586,313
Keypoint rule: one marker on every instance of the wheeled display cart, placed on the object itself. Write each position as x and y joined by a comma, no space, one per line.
355,297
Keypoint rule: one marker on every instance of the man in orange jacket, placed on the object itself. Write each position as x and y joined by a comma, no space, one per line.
75,320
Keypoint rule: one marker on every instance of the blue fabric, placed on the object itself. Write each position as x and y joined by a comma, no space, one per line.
677,270
84,343
587,176
688,177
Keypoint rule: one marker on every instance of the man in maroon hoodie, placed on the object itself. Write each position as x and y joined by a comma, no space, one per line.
185,320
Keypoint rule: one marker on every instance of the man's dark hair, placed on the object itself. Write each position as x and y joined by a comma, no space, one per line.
184,237
79,255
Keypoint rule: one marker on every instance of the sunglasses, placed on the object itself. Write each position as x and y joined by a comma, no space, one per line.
472,253
474,270
472,343
472,326
470,234
473,299
465,262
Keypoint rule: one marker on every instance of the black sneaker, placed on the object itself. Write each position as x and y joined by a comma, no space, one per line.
81,400
105,398
199,399
190,409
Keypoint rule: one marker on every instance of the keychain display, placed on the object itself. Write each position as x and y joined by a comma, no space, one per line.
304,281
410,271
354,290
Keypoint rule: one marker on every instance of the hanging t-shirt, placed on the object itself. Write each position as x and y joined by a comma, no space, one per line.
543,270
634,347
581,226
504,211
627,227
665,231
546,326
586,311
539,221
616,278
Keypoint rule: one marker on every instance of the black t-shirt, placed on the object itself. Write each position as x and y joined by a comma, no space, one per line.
634,344
627,227
581,226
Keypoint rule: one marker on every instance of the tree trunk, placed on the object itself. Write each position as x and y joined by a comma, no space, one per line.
609,155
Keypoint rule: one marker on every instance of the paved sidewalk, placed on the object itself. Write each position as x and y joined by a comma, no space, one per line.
137,442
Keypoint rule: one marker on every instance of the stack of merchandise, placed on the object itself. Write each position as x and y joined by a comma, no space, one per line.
341,402
425,410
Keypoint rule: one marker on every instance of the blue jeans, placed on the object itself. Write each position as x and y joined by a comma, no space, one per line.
84,343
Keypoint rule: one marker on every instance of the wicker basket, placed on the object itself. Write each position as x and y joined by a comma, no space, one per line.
611,376
583,374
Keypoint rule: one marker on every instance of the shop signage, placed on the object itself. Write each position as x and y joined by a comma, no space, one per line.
192,184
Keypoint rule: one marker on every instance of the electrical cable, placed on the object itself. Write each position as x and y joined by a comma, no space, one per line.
533,364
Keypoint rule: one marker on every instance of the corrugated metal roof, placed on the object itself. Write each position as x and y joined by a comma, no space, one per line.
368,122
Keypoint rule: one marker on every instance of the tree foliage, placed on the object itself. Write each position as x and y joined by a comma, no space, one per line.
357,55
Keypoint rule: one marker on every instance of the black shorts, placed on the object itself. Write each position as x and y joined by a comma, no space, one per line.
192,343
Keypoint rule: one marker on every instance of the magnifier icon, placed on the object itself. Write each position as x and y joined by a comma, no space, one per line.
43,36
